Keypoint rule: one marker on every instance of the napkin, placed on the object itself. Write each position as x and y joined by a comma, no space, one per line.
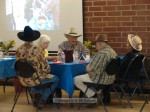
57,62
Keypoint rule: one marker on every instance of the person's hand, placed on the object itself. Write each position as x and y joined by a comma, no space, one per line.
52,58
81,61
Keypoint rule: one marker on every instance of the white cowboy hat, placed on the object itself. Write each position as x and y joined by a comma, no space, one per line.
135,41
72,32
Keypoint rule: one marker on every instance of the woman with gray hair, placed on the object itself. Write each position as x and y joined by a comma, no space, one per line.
43,44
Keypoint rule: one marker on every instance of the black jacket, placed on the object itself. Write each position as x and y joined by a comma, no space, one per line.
126,60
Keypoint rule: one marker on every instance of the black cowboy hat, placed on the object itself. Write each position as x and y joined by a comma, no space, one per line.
28,35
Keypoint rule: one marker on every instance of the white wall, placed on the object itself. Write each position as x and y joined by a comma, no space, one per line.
70,15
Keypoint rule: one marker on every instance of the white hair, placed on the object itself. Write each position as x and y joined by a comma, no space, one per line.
44,38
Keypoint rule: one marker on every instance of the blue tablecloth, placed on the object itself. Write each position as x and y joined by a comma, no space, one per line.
7,67
121,57
66,73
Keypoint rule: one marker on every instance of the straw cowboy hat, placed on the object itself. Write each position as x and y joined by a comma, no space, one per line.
101,38
28,34
72,32
135,41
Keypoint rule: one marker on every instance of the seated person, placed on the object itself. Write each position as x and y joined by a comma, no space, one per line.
72,43
34,54
95,68
43,44
134,44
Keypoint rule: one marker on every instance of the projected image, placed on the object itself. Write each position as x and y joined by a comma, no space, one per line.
39,14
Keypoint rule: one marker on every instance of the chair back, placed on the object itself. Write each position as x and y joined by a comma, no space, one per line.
112,66
146,67
27,74
24,68
133,68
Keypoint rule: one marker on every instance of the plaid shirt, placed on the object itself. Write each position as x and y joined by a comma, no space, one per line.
98,63
66,46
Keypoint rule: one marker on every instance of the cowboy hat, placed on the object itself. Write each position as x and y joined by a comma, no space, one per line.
28,34
72,32
135,41
100,38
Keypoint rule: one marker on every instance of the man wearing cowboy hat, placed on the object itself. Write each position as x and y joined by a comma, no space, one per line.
134,44
95,68
35,55
72,43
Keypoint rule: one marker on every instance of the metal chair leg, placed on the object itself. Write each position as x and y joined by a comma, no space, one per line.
143,95
99,97
145,102
5,82
118,97
134,90
126,97
143,106
79,106
18,88
16,99
26,89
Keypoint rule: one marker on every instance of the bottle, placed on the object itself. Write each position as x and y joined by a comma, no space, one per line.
1,54
58,56
87,56
63,57
75,56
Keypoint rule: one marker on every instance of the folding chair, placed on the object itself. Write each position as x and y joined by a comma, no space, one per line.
25,69
131,75
146,68
111,68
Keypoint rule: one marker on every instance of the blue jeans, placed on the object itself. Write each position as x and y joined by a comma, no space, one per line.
49,89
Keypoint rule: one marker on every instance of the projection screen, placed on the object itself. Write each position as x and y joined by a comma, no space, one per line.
50,17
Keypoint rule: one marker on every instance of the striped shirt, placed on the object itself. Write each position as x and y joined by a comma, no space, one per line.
98,63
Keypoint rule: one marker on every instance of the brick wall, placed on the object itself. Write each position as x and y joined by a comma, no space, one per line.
117,18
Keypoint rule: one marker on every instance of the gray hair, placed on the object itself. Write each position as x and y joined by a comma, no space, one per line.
44,38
